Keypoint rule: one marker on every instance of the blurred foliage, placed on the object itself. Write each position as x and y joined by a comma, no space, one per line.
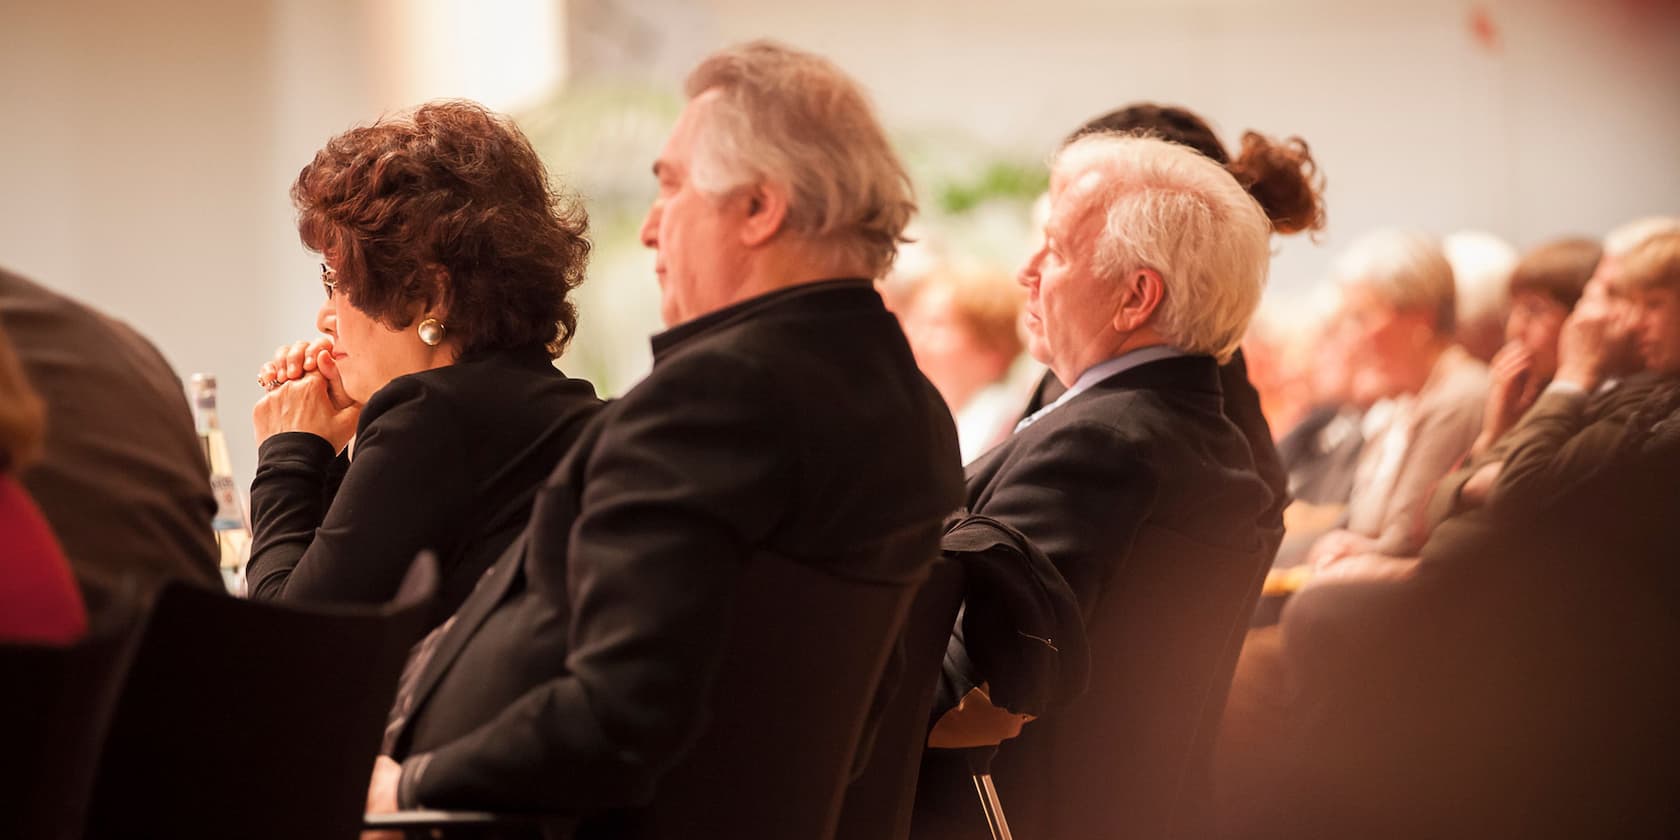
1002,180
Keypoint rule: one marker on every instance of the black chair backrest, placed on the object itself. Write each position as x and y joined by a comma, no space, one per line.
254,720
878,805
804,658
55,705
1131,756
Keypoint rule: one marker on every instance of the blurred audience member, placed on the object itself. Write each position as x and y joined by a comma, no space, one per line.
39,601
1600,345
1515,686
447,274
1545,288
1134,485
122,477
1399,304
962,328
784,422
1481,265
1568,432
1321,453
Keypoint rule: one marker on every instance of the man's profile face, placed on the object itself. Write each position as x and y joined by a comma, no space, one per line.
1657,327
695,236
1069,311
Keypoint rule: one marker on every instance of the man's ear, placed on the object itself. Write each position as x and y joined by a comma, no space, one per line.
765,208
1140,295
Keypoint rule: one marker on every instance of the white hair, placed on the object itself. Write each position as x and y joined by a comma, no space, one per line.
794,119
1407,268
1169,209
1481,265
1628,236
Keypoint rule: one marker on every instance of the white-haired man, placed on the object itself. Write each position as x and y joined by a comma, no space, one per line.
784,421
1133,483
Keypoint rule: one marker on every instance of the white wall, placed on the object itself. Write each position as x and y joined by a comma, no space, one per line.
147,147
1571,124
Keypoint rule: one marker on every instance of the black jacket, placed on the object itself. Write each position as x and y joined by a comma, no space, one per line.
793,427
1145,496
1019,628
122,477
447,460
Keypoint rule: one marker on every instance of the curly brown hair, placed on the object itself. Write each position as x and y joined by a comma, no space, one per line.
447,205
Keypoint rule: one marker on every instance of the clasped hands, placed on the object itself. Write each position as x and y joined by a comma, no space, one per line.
307,395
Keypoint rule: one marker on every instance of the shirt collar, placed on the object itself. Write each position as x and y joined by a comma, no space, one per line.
1106,370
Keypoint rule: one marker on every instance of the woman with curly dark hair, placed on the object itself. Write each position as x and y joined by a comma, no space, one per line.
448,264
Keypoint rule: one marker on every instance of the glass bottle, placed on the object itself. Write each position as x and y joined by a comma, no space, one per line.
232,523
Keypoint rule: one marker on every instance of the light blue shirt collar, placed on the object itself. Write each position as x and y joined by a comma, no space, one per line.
1104,370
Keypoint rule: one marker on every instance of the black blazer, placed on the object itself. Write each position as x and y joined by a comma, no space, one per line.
122,477
1145,496
791,428
446,459
1242,406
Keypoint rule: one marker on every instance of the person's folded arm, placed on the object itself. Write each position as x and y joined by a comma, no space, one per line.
1080,496
1553,443
400,494
677,494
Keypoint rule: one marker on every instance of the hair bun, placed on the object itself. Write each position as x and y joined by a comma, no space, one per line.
1285,180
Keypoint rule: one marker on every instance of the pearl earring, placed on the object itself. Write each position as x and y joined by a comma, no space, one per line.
431,332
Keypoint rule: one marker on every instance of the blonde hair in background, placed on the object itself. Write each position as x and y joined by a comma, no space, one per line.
987,302
1168,208
1627,236
792,118
1407,268
21,413
1653,262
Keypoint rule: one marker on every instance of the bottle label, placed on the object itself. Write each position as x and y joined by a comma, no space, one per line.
228,517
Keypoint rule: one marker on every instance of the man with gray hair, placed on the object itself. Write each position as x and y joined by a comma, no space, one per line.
1134,484
784,422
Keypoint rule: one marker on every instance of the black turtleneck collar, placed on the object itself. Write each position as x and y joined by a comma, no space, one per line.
836,292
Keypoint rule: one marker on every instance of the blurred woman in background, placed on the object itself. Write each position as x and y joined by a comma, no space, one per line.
962,328
448,265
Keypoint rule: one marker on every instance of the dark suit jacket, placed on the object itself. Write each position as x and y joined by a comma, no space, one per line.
1145,496
1242,406
123,479
790,428
447,460
1321,472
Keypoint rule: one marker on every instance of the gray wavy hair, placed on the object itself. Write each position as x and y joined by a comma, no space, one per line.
792,118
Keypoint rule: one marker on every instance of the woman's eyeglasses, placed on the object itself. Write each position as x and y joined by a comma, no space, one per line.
329,280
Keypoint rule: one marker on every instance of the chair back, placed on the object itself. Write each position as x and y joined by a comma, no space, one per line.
55,705
878,805
1131,757
804,658
254,720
